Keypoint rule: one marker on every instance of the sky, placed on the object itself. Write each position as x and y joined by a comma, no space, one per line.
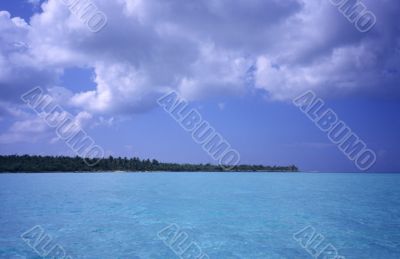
239,63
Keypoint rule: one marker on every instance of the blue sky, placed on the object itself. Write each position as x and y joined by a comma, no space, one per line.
239,63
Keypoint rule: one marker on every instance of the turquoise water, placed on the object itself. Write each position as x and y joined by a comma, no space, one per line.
226,215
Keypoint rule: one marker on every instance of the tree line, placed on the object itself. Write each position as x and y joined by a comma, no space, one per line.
27,163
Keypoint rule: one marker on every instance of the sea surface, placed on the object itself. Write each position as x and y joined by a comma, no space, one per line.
230,215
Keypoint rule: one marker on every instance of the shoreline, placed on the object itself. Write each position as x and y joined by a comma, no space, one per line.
191,172
144,172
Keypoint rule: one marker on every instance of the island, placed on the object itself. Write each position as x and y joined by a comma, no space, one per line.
33,163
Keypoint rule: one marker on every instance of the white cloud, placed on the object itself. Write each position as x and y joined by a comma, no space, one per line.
35,3
30,127
27,130
200,48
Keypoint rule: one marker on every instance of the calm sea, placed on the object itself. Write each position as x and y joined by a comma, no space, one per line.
246,215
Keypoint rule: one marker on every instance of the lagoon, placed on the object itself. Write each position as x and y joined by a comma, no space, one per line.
227,215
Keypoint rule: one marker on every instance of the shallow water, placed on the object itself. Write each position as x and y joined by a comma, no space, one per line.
242,215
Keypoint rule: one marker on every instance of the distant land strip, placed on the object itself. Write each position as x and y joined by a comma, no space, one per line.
28,163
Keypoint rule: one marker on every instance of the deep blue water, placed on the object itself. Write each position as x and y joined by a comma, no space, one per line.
227,215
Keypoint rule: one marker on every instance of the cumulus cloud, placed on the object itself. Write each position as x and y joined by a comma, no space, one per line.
35,3
19,69
200,48
31,127
27,130
326,53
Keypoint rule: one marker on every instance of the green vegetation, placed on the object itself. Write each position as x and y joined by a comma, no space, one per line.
26,163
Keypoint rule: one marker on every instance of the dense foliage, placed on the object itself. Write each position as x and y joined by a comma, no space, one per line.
28,163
